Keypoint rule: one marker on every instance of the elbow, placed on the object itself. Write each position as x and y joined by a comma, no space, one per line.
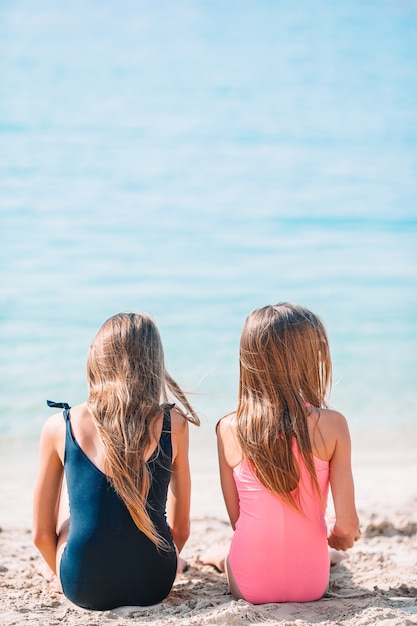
37,537
42,539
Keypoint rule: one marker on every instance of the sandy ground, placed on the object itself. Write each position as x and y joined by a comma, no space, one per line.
375,584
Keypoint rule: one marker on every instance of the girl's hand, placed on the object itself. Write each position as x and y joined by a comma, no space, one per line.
342,543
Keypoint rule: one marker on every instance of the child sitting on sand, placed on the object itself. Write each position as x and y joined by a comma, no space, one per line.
278,453
125,458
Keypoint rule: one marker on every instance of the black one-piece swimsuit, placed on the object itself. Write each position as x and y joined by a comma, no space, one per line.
108,562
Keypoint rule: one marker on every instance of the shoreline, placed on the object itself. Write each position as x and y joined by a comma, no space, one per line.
376,583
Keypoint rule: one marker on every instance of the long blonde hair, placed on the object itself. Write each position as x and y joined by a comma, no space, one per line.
285,368
127,381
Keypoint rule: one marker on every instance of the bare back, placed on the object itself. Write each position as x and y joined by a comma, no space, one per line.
323,427
87,437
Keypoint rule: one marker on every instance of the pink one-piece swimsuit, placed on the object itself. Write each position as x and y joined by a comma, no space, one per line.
277,553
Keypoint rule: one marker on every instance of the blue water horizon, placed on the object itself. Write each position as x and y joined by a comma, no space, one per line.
199,160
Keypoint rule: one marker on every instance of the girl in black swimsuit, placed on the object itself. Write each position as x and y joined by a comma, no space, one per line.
116,544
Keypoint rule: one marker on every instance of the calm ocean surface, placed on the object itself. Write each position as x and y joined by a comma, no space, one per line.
197,160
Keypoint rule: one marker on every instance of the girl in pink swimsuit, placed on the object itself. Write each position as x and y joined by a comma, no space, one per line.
278,454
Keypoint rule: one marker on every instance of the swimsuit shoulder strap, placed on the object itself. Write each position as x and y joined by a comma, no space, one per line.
166,425
60,405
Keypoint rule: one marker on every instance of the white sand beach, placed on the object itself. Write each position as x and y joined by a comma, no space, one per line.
375,584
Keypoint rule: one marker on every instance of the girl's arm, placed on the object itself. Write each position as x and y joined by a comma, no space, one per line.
47,491
179,492
228,453
345,530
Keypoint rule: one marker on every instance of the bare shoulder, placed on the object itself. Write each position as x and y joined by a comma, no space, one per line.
333,424
226,425
179,423
179,438
52,439
78,412
53,427
227,439
327,428
81,423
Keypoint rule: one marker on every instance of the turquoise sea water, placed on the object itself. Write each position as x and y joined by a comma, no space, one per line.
196,160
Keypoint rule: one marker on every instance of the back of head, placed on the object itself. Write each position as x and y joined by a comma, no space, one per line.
126,365
285,367
284,356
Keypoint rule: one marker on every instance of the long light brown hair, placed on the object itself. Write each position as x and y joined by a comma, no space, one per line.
127,381
285,368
